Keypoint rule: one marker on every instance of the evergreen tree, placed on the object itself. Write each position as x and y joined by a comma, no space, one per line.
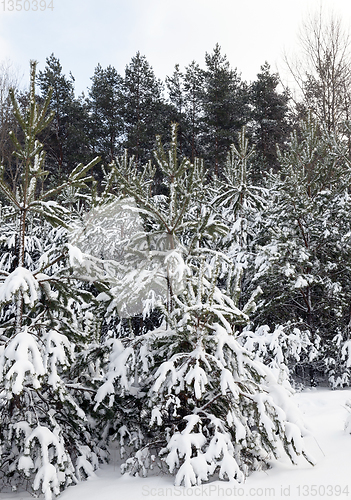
176,95
224,107
143,108
66,140
105,102
303,263
193,95
186,395
240,203
269,119
44,438
183,221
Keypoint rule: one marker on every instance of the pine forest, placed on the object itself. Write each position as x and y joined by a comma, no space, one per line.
175,262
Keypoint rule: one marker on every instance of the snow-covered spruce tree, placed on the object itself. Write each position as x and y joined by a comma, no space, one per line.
242,204
43,437
303,249
239,202
170,226
156,232
283,349
187,396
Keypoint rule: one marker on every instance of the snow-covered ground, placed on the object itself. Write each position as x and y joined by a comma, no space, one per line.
324,413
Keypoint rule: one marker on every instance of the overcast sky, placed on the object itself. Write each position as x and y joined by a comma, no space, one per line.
83,33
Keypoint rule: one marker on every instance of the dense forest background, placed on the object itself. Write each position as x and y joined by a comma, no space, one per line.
127,111
210,102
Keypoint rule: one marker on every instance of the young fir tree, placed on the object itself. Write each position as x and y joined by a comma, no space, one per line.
239,201
242,205
170,229
45,444
303,254
186,395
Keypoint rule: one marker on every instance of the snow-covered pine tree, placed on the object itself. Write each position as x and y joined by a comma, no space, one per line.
152,269
303,248
238,200
211,407
194,401
242,204
43,436
173,224
283,349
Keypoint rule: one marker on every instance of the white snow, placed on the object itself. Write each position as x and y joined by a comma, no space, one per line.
301,282
20,280
324,411
22,358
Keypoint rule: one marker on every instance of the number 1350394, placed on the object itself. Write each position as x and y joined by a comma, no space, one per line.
27,5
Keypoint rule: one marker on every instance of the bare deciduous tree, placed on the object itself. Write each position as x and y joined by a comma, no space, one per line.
322,70
8,79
